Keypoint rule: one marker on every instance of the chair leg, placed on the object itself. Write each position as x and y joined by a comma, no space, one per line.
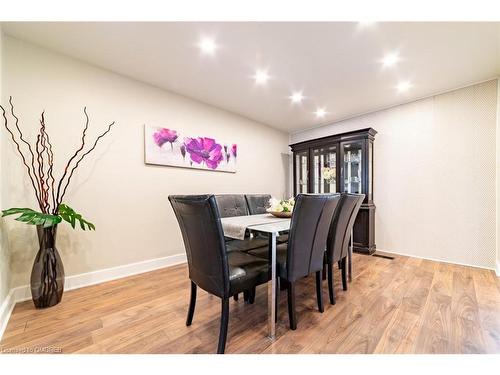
283,285
291,306
224,320
192,304
319,291
251,296
246,295
324,271
344,273
235,297
331,291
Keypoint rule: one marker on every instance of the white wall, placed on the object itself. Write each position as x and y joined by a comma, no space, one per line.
4,253
434,182
6,302
126,199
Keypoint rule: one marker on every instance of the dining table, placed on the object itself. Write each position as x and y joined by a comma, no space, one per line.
237,227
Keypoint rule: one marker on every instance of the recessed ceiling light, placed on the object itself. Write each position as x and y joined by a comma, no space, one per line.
390,59
261,77
404,86
296,97
320,113
207,46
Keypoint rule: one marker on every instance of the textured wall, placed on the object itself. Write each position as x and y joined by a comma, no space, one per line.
126,199
498,181
434,181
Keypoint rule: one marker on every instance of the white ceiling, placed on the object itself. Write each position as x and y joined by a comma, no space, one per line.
336,65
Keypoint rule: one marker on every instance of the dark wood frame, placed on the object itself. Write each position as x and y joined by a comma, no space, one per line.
364,227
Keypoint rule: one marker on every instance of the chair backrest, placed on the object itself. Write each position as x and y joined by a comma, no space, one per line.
341,226
257,203
309,227
231,205
203,237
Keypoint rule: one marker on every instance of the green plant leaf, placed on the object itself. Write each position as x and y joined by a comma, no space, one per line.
13,211
32,217
69,215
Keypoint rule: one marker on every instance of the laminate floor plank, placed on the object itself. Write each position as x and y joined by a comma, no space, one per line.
466,328
435,324
488,300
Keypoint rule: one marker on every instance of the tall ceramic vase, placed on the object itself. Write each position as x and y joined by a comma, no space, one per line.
47,275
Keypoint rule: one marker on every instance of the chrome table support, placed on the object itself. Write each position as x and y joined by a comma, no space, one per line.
271,288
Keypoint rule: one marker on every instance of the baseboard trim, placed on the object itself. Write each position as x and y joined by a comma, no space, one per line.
6,310
23,293
497,269
442,260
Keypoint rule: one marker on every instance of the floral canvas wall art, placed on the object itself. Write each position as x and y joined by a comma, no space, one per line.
164,146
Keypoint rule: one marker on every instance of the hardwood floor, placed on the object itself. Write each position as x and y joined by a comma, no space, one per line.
405,305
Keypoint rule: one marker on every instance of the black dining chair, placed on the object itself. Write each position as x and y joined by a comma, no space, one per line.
210,266
230,205
338,238
304,252
257,203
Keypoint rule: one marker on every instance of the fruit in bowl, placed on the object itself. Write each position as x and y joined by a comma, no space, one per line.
281,208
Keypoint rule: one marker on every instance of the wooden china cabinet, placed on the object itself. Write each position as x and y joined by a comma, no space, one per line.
340,163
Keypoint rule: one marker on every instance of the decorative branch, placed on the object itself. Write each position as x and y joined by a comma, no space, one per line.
79,160
35,177
18,147
41,140
50,157
39,159
41,172
58,200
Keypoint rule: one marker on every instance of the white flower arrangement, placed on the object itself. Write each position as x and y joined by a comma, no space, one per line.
283,205
328,173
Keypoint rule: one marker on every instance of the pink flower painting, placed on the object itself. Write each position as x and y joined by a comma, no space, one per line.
198,152
164,135
204,150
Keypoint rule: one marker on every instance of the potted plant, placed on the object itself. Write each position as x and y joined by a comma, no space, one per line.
47,275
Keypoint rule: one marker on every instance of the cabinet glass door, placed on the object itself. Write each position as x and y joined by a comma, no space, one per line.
301,171
324,173
353,159
370,171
